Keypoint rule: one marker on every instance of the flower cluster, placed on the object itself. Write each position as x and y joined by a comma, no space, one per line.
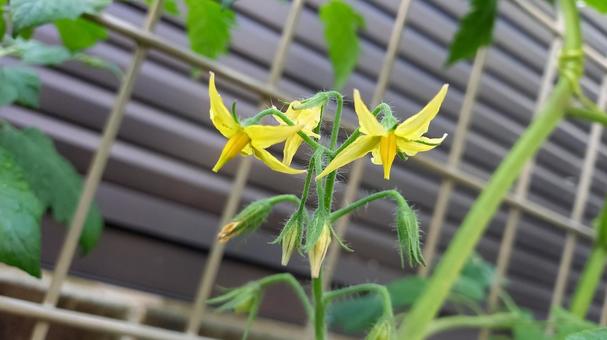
379,133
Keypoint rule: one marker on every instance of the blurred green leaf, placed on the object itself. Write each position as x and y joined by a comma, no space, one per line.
594,334
79,34
208,25
20,214
566,323
20,84
38,53
54,180
32,13
475,30
341,25
2,19
526,328
599,5
170,6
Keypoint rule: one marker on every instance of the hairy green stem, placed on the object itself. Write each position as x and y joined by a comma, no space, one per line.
284,198
475,223
494,321
380,290
392,194
589,115
589,282
297,288
320,328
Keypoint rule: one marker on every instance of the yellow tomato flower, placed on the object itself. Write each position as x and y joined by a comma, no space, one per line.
384,143
247,140
308,119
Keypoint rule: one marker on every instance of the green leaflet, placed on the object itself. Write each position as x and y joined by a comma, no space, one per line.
341,23
38,53
20,214
54,180
208,25
170,6
599,5
593,334
79,34
31,13
475,30
20,84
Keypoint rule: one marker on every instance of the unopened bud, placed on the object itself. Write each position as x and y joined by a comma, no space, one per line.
319,251
382,330
245,305
228,232
248,220
290,241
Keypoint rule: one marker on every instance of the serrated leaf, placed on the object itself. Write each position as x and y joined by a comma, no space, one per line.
20,84
20,214
475,30
341,24
54,180
599,5
79,34
32,13
170,6
208,25
593,334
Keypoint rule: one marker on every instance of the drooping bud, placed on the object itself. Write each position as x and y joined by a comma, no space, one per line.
382,330
319,250
241,300
291,239
248,220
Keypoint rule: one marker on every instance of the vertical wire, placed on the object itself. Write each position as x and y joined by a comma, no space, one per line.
455,155
522,187
358,167
95,173
580,202
217,249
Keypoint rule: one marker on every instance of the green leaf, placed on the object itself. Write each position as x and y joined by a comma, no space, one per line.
20,214
38,53
208,25
567,323
594,334
475,30
19,84
54,180
341,24
599,5
170,6
79,34
2,22
32,13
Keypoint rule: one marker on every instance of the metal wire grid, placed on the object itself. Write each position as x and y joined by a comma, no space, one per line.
47,312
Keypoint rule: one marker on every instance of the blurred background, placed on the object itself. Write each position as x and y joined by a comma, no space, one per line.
162,203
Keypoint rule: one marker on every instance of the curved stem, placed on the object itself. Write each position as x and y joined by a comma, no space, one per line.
297,288
380,290
393,194
494,321
284,198
475,223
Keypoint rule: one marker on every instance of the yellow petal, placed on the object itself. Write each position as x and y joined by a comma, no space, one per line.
232,148
376,156
367,121
264,136
220,115
291,145
274,163
308,118
319,251
411,148
418,124
360,147
387,150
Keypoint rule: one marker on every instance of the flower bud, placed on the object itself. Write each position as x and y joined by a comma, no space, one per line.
240,300
319,250
248,220
291,239
383,330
